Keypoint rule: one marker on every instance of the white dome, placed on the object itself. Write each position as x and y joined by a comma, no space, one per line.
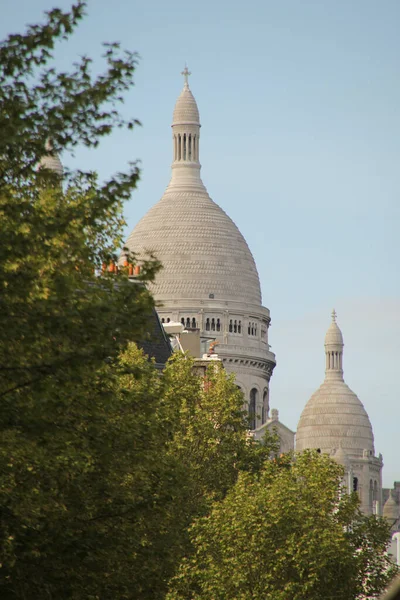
186,110
53,163
203,253
333,336
391,509
334,418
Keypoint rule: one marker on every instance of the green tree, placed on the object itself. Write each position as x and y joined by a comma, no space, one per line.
209,441
71,437
286,534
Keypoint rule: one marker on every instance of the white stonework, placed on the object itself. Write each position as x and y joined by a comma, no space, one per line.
273,425
335,422
51,161
209,278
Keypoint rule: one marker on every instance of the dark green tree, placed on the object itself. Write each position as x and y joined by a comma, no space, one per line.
287,533
66,425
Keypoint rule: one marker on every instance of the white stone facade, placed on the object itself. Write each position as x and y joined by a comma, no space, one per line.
209,279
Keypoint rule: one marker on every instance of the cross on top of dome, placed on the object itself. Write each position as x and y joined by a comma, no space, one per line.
334,315
186,74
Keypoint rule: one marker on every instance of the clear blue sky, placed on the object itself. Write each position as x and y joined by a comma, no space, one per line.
300,107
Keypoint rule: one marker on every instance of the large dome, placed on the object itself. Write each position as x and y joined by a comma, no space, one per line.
334,418
203,253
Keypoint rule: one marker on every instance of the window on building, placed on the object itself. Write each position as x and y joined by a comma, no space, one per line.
168,319
240,327
230,326
194,323
355,484
212,324
207,324
183,321
163,320
265,406
218,325
235,326
253,408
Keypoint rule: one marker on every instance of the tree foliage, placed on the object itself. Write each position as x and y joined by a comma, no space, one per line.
288,533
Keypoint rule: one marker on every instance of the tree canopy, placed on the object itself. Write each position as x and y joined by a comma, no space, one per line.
287,533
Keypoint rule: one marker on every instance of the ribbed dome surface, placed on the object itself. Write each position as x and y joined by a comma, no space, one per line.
186,110
53,163
334,416
333,335
201,249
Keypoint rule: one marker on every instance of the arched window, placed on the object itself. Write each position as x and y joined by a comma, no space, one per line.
194,323
375,491
183,321
235,326
218,325
230,326
249,328
371,492
188,322
163,320
253,408
240,327
168,319
265,406
207,324
212,324
355,484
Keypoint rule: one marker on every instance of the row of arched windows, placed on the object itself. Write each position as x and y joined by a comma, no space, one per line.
252,328
235,326
189,323
185,146
213,324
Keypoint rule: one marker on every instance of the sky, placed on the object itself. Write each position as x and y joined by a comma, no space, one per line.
300,110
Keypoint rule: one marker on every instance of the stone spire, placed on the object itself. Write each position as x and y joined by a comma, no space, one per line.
185,138
334,351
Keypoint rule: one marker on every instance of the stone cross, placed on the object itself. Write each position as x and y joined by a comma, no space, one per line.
186,74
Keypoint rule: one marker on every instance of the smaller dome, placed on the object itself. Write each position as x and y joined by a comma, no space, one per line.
53,163
186,111
341,456
391,509
334,336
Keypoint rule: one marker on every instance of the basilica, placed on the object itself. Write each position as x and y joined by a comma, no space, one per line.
209,285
